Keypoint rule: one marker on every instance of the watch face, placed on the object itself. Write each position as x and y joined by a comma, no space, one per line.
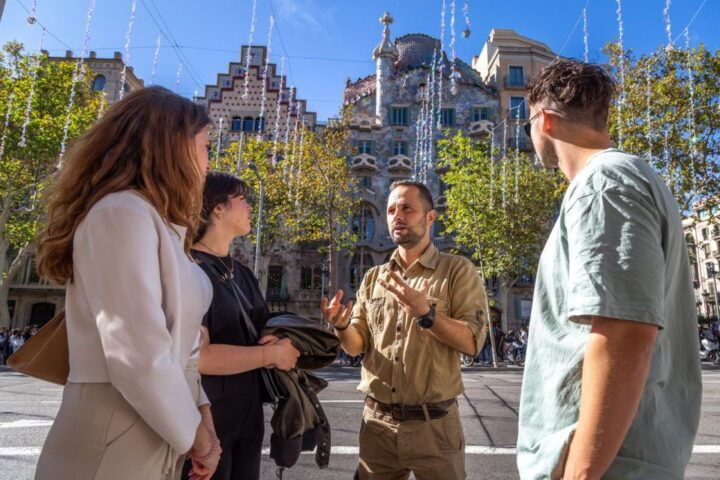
425,322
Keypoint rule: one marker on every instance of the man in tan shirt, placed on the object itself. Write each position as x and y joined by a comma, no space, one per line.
413,317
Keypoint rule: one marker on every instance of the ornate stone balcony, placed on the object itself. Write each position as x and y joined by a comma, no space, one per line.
480,128
400,163
363,121
364,162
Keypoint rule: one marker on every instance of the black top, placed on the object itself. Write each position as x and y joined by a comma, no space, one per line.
226,325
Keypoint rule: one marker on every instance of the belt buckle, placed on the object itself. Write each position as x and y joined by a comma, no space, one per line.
398,407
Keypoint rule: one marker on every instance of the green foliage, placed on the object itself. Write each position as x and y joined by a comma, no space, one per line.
25,169
687,162
504,240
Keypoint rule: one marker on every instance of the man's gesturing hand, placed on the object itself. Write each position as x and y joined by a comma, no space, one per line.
414,302
335,312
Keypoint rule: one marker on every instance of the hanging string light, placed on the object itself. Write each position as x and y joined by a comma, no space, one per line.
668,25
8,110
517,152
648,109
33,80
491,156
442,59
218,146
177,77
126,60
585,36
248,53
79,72
263,98
156,55
32,18
623,94
276,133
466,13
691,110
503,161
453,59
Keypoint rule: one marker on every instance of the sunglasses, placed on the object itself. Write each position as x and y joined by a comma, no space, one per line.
528,125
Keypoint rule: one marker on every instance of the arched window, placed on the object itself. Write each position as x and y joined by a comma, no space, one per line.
41,313
359,265
248,124
363,224
259,124
99,83
236,124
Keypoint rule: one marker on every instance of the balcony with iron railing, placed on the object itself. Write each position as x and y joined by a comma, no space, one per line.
515,82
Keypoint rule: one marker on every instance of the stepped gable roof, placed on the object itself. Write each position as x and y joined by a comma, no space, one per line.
362,87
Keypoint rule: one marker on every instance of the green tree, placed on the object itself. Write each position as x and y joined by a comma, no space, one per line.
678,133
307,192
504,240
25,168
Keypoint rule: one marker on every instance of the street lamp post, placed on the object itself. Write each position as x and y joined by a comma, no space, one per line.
712,273
254,168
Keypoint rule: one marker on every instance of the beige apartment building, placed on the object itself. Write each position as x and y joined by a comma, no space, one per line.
702,235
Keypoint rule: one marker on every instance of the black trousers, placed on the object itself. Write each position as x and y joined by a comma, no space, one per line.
240,431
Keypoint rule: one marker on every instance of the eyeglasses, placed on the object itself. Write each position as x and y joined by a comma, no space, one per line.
528,125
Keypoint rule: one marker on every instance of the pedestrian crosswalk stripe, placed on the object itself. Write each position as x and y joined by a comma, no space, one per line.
26,424
340,450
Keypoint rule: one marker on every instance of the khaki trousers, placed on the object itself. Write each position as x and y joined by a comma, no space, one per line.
97,435
431,449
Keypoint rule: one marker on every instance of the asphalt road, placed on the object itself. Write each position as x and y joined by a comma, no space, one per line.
488,409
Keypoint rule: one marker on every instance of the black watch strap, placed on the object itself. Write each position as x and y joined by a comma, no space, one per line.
343,328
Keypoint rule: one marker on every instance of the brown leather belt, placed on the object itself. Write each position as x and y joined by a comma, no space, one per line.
401,413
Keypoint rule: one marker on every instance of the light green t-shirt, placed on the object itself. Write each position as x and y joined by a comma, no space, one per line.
617,250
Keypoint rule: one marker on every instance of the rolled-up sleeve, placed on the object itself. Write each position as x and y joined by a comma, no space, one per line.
358,317
468,301
116,259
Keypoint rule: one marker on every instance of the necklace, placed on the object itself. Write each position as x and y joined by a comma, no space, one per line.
228,269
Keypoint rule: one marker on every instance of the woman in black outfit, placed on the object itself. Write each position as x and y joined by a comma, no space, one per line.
232,355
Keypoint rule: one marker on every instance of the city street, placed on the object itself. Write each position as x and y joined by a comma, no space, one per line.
488,408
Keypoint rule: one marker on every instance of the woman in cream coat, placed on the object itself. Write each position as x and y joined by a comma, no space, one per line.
121,216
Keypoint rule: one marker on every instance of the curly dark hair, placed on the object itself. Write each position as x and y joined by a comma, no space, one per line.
581,91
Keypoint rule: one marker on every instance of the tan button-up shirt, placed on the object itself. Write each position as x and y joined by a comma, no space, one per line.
404,364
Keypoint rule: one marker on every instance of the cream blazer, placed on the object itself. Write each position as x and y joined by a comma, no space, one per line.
134,311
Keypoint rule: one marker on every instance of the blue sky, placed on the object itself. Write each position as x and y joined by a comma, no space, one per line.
330,40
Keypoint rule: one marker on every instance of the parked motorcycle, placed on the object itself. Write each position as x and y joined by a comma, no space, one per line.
710,350
516,352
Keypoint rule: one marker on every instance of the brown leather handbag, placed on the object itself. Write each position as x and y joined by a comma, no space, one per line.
45,354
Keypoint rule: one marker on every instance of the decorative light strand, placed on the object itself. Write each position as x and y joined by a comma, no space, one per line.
263,98
156,55
668,25
248,53
276,133
126,60
442,59
33,80
585,36
691,111
79,71
623,93
8,110
453,59
177,77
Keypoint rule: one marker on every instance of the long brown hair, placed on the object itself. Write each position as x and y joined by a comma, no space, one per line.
145,143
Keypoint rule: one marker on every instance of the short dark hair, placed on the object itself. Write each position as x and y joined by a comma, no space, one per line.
582,91
425,194
219,188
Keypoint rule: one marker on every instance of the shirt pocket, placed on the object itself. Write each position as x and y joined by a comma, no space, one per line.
376,315
441,305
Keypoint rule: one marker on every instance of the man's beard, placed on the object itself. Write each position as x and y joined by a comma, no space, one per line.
548,156
411,237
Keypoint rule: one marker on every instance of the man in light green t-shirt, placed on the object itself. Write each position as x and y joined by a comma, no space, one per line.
612,380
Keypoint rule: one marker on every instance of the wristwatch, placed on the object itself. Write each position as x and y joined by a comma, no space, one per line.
428,320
